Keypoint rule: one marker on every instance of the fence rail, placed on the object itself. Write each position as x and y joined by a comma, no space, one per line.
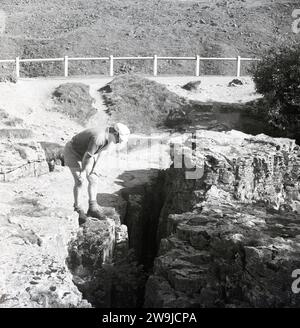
111,59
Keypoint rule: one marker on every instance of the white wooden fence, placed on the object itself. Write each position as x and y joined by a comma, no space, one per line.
198,59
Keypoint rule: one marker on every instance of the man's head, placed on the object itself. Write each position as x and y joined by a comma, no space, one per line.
121,132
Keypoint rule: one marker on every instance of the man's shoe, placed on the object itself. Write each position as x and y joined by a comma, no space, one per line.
96,213
82,216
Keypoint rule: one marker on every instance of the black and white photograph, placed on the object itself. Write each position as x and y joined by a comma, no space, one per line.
149,156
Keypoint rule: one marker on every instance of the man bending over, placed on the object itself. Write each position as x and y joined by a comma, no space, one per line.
84,155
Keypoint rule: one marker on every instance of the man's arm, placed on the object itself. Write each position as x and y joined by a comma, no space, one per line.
101,156
87,160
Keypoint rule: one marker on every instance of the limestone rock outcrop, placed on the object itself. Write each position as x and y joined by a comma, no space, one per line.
19,159
231,236
221,225
36,226
104,269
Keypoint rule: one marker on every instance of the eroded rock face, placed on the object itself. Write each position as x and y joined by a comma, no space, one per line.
230,238
103,267
20,159
36,226
39,277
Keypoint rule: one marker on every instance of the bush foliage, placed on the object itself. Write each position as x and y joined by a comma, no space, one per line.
277,77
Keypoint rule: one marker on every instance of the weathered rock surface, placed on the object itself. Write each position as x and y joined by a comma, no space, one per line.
20,159
103,268
230,238
193,85
36,225
235,82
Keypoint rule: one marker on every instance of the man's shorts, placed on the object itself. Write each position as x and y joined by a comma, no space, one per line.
74,161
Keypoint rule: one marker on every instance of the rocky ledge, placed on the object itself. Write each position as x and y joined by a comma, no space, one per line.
36,226
230,238
21,158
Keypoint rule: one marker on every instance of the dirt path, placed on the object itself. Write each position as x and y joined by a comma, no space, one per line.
101,118
29,100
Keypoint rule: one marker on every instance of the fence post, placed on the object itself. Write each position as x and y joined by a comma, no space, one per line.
238,66
66,62
155,65
111,65
17,67
197,65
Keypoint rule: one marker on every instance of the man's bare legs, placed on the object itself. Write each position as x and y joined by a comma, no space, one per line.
94,209
92,187
77,192
77,189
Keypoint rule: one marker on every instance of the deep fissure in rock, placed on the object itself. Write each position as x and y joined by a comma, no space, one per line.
110,273
142,217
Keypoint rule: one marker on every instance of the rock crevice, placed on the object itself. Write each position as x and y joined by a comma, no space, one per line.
230,238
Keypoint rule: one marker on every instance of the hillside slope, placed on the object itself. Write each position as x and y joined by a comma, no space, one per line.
133,27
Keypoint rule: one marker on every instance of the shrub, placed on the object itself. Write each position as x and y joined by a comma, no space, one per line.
277,77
